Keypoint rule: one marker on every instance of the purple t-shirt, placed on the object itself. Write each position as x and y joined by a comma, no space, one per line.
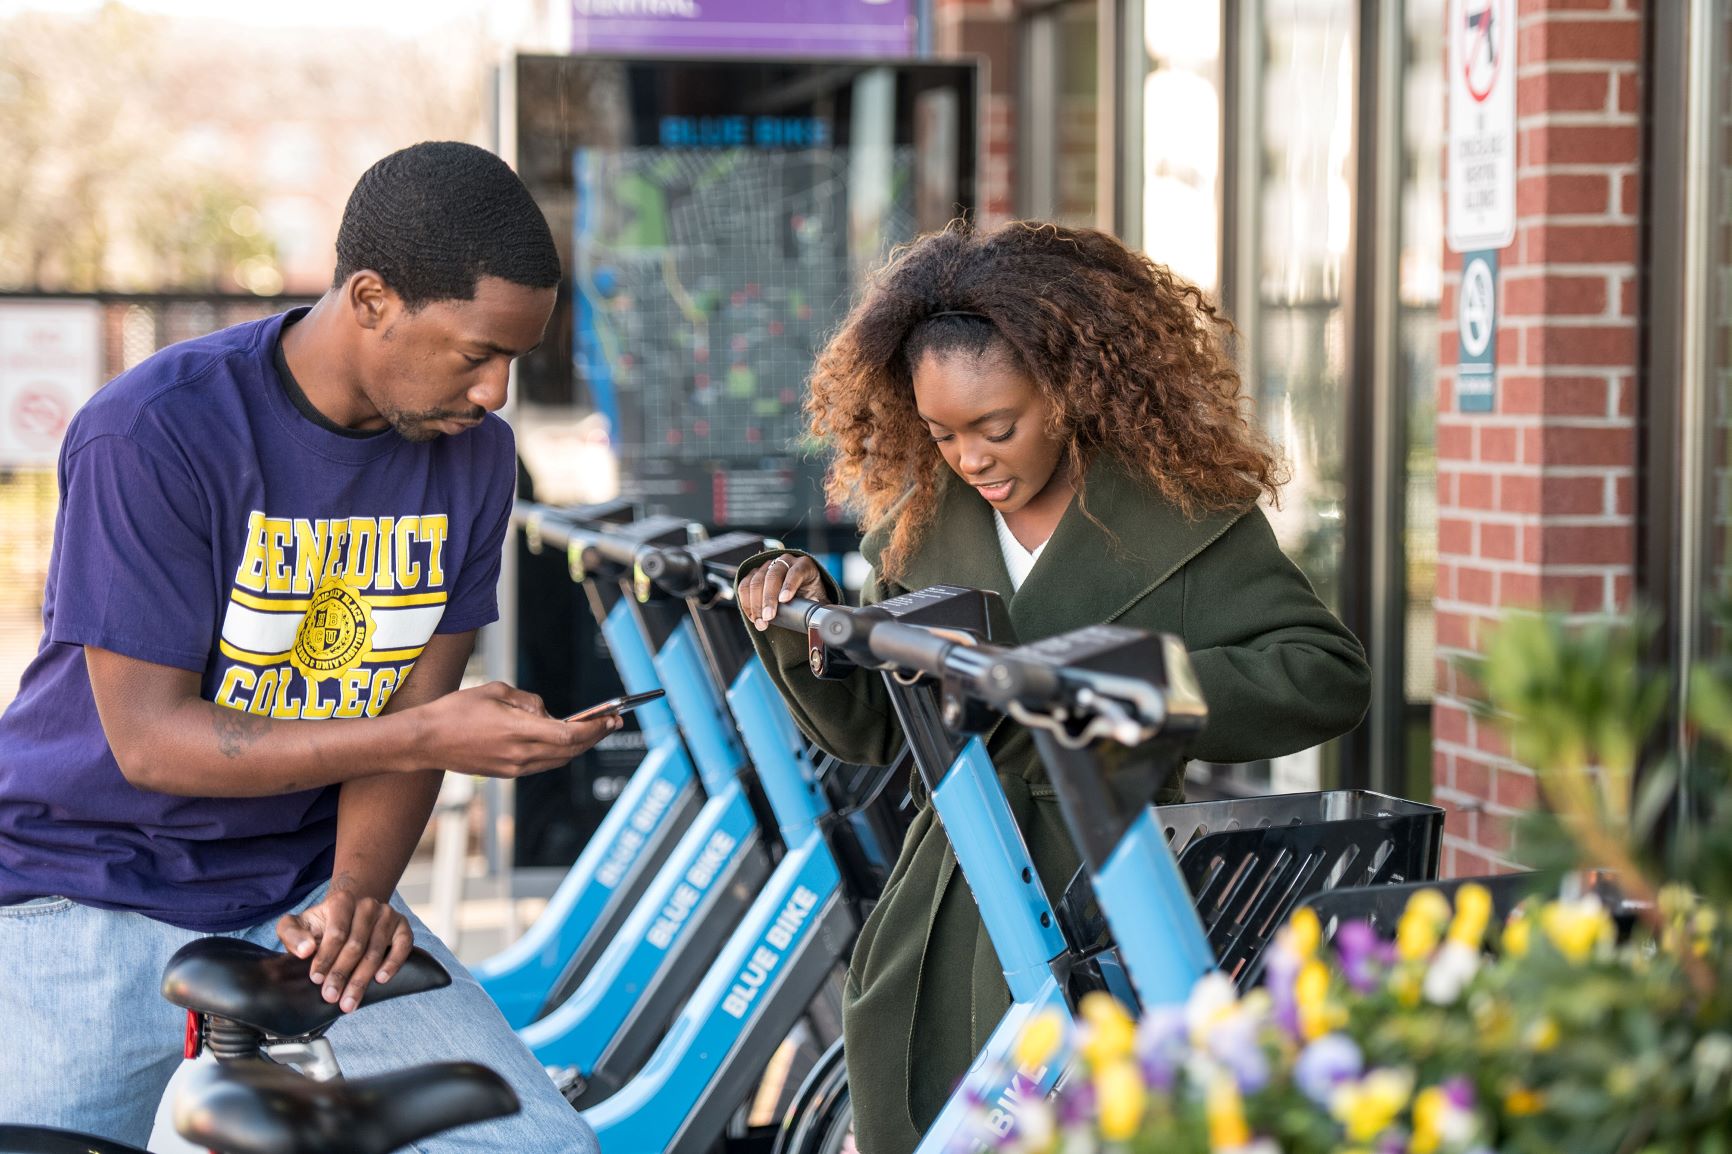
206,523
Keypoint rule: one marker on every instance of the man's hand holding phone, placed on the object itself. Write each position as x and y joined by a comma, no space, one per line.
615,706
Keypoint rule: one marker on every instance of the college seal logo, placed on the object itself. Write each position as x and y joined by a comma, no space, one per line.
333,635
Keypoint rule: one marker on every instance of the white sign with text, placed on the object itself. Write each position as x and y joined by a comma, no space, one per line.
1482,124
50,364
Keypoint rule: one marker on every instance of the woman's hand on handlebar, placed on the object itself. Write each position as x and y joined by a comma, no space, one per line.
496,730
776,582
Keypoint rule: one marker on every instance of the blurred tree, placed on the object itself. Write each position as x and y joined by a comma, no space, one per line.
144,152
90,197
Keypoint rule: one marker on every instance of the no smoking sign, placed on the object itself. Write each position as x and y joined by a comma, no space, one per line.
40,414
50,364
1476,316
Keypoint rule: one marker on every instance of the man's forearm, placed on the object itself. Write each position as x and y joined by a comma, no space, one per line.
379,820
202,749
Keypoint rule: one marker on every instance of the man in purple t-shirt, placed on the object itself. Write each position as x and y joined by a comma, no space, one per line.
273,549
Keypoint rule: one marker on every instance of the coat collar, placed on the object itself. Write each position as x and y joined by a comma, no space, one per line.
1084,576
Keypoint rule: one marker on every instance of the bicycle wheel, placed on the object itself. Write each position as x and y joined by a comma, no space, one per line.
821,1118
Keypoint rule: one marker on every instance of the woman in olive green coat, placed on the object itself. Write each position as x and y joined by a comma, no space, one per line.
1037,411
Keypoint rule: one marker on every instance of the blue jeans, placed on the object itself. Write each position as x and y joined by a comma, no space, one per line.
90,1043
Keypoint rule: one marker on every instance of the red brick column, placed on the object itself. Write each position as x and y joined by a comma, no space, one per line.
1537,499
987,29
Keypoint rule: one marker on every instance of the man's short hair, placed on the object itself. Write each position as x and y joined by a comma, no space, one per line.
434,218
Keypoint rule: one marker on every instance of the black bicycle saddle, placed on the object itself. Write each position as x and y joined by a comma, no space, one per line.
258,1107
269,990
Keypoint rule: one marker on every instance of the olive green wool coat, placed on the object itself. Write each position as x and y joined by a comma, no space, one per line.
1279,671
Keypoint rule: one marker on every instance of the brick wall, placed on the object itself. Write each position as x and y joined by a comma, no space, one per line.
1537,499
987,29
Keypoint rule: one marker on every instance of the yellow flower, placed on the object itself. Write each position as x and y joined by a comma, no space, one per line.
1111,1034
1429,1108
1542,1035
1040,1040
1367,1107
1472,915
1429,905
1304,933
1575,927
1311,994
1421,926
1228,1129
1408,984
1119,1090
1521,1102
1517,933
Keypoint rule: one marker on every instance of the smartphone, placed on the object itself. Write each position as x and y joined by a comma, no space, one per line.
617,705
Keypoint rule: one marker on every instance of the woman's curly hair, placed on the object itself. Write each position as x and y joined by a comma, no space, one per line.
1129,358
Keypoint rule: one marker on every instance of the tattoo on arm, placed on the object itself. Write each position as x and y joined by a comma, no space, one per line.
237,732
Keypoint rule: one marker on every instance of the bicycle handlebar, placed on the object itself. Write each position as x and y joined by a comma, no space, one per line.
1032,691
674,570
548,526
543,524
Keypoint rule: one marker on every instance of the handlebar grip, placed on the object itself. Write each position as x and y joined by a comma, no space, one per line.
850,631
1008,679
674,571
796,613
614,549
909,646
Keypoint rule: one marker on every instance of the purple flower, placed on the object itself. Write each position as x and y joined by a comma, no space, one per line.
1362,955
1076,1106
1162,1044
1459,1093
1325,1064
1278,978
1233,1043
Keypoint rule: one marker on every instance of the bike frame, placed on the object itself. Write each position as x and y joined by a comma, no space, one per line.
607,1027
1019,919
540,970
784,948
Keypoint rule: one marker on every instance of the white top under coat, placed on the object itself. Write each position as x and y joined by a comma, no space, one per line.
1016,559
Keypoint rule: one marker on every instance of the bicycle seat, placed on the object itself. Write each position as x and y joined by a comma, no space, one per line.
269,990
43,1140
257,1107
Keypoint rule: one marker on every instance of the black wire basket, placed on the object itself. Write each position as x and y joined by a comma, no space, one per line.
1250,861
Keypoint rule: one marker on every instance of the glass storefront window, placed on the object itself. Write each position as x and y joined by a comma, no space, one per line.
1078,175
1060,131
1181,224
1713,592
1305,211
1420,280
